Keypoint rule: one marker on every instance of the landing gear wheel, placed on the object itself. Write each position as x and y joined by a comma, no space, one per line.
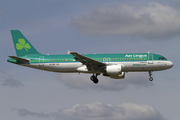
151,79
94,79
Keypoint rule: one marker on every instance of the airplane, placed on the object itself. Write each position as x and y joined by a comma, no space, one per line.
110,65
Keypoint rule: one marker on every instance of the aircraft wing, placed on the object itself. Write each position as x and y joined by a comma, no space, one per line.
86,60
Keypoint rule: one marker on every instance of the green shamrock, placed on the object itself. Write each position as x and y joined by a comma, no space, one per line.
22,44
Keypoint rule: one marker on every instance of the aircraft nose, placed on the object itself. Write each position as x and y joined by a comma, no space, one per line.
170,64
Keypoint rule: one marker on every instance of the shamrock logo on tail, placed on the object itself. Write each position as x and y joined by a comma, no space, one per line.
22,44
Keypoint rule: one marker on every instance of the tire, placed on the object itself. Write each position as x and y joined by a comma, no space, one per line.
92,78
96,81
151,79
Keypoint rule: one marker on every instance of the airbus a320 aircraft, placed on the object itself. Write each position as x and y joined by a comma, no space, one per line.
111,65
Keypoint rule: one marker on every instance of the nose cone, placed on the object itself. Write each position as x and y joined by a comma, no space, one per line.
169,64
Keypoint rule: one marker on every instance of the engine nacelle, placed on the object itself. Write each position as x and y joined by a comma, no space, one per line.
120,76
115,72
114,69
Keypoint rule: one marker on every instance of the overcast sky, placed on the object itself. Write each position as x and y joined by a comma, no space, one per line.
94,26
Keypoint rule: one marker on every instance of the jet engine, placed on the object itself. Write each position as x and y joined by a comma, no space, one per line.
120,76
114,71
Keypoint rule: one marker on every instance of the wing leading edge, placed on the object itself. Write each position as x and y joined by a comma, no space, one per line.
86,60
91,64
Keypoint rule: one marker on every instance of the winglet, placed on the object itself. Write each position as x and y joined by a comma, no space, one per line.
68,52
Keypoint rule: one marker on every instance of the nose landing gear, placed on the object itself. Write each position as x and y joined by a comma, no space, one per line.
150,74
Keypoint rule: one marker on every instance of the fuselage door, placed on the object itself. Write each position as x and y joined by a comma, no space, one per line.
150,59
41,61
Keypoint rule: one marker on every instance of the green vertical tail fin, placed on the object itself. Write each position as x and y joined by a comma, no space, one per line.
22,45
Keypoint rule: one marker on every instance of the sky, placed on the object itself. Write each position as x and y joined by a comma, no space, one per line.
96,26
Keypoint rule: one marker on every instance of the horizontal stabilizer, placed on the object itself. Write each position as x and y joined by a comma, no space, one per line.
20,59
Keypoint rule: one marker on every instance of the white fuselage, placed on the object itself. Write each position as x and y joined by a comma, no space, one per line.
126,66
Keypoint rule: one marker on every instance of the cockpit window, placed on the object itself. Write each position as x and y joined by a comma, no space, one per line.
162,58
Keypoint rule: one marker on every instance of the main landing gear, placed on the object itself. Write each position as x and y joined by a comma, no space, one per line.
150,74
94,78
